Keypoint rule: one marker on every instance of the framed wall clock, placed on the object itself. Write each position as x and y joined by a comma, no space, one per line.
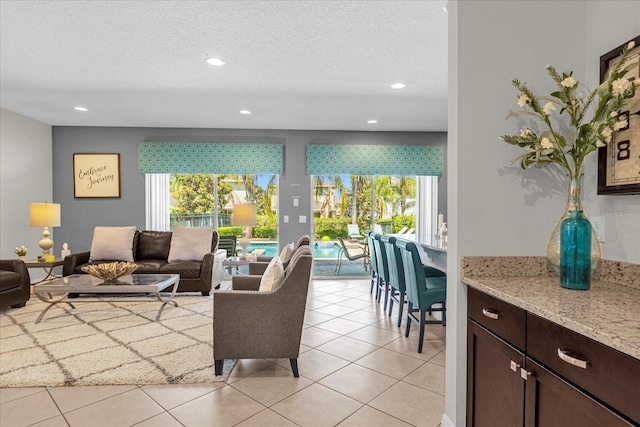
619,163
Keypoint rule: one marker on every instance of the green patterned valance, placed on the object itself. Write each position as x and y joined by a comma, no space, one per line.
205,157
419,160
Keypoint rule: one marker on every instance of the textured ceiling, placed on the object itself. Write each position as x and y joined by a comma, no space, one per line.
293,64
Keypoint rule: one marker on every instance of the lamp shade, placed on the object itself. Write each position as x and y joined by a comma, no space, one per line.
44,215
244,214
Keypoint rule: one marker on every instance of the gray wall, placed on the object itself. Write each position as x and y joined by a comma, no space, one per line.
25,177
81,215
496,208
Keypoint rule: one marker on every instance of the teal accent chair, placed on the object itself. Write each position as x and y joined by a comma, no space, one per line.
426,286
373,261
383,270
398,288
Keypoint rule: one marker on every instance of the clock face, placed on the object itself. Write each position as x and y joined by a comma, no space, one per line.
619,162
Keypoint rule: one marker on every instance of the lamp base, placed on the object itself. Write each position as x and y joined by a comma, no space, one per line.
46,243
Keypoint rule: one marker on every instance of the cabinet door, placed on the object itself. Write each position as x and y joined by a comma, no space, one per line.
553,402
495,389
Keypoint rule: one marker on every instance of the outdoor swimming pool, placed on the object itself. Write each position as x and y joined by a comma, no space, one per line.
327,250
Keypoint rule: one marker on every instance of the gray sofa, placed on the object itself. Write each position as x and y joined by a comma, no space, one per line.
248,324
151,253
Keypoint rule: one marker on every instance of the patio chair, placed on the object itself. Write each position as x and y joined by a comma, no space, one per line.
403,230
344,251
228,243
353,231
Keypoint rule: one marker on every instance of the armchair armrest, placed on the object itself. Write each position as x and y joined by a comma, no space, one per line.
18,266
245,283
258,268
74,260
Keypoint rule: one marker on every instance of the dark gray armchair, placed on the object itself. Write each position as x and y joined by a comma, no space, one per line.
260,265
15,284
248,324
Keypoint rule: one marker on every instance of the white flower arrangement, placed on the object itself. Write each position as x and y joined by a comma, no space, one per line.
21,251
570,149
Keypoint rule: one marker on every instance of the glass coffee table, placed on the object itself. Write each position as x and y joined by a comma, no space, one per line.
55,291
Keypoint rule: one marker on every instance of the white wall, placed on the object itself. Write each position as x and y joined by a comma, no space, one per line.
25,177
496,208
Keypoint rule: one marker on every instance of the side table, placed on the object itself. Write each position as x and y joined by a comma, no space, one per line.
46,266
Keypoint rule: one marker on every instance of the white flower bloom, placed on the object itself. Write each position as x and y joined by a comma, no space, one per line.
619,86
613,114
548,108
621,124
525,133
631,45
606,134
600,144
569,82
522,100
546,144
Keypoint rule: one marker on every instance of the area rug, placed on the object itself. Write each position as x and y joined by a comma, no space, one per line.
100,343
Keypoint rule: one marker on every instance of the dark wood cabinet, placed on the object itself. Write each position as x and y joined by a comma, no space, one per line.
495,390
553,402
523,370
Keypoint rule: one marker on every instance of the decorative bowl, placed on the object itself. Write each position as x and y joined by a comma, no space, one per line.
111,270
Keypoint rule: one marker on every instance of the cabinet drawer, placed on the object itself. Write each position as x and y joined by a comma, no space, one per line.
503,319
611,376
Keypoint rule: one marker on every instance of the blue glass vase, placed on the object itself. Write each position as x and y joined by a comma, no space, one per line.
575,252
574,203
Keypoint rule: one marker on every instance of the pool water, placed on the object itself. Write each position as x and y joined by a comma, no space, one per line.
328,250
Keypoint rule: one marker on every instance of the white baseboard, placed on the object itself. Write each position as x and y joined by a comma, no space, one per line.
446,421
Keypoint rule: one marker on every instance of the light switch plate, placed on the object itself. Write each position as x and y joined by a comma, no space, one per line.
285,219
302,219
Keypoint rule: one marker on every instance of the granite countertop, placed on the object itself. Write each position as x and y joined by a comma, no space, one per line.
609,312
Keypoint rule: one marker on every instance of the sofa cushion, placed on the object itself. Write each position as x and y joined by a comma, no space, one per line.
153,245
190,244
186,269
112,243
150,266
273,275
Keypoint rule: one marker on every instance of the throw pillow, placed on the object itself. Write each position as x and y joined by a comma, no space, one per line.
286,253
272,276
112,244
190,244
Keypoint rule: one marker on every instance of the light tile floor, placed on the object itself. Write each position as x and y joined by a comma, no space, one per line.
356,369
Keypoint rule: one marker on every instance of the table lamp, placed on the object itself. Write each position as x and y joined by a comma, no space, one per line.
244,214
45,215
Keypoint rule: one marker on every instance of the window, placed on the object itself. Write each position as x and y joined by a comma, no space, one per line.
190,200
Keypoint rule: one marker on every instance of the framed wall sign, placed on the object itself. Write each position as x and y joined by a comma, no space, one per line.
96,175
619,162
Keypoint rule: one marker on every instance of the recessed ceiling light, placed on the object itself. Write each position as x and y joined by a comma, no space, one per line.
372,121
398,85
215,61
245,112
79,108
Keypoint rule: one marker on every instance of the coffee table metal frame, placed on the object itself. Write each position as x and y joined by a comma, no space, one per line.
55,291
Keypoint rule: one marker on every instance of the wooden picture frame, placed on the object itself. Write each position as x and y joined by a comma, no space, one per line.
619,163
96,175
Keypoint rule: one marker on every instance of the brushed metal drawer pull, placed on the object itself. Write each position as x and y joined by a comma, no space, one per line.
572,358
490,313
